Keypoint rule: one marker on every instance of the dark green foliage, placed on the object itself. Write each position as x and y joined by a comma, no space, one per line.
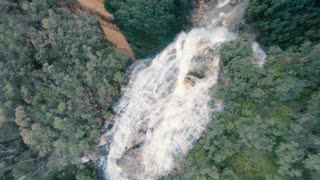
59,78
235,49
149,25
269,127
198,74
252,163
285,23
85,173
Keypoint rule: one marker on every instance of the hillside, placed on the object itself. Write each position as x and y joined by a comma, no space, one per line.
159,89
111,32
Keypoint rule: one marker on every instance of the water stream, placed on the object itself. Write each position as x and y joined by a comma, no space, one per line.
164,109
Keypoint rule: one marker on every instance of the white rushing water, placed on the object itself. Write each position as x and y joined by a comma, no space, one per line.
164,109
259,55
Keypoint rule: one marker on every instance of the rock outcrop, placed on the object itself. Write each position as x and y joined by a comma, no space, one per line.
111,32
202,64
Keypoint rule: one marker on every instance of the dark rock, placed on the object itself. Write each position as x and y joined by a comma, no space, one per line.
131,163
233,2
136,142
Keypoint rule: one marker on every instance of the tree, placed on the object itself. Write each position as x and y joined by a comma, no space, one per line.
285,23
269,125
59,78
149,25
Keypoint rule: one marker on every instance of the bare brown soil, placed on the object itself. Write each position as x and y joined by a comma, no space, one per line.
111,32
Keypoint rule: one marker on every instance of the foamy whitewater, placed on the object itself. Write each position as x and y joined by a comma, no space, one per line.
164,109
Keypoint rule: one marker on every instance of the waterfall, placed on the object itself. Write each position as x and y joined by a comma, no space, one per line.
164,109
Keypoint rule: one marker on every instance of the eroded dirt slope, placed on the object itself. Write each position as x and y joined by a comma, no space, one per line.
112,32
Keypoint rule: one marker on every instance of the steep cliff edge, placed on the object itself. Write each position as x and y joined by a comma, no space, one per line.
111,32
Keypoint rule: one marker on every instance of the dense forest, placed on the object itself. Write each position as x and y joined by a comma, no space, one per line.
150,25
285,23
59,78
270,125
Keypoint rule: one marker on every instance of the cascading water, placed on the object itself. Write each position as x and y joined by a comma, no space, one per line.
164,109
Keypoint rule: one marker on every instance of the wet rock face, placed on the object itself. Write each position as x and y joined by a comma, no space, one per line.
201,64
137,142
190,81
131,164
233,2
208,11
